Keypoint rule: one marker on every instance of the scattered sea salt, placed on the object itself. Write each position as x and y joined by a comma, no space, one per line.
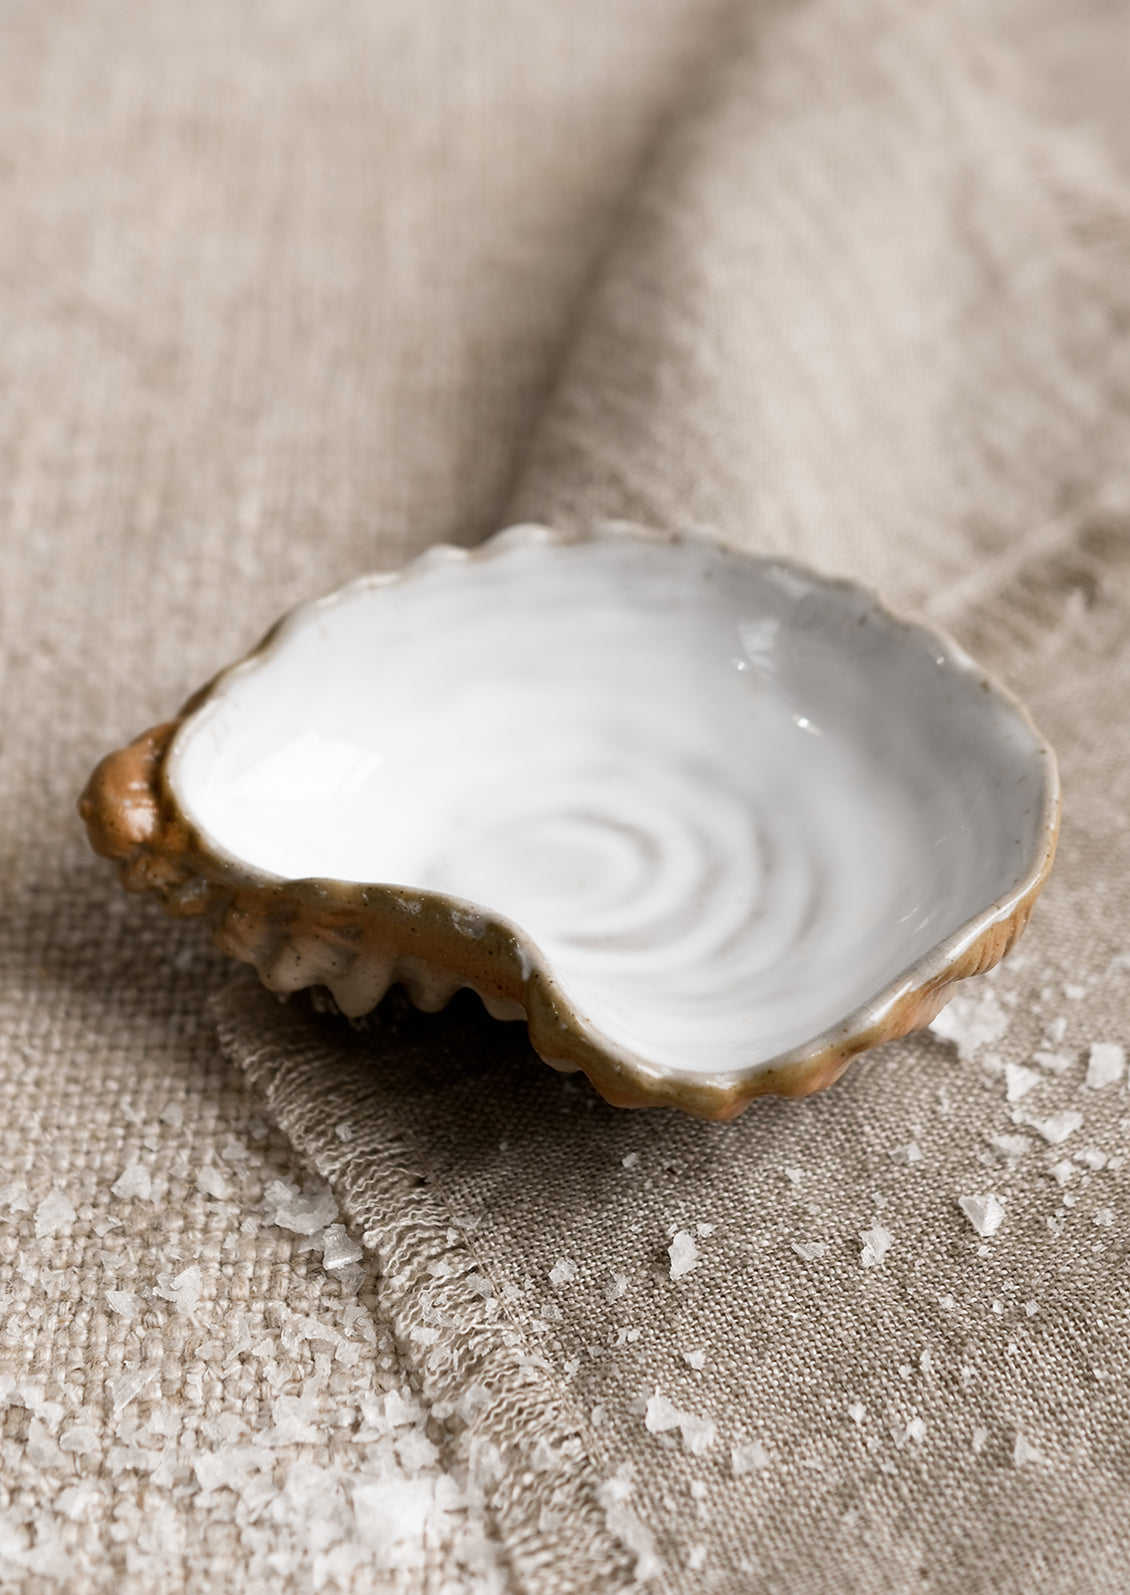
344,1132
683,1254
183,1290
212,1182
15,1198
303,1213
910,1153
705,1229
856,1411
809,1250
985,1213
616,1287
1063,1171
979,1438
1058,1127
915,1430
124,1302
630,1160
1019,1081
695,1359
1104,1218
971,1022
1024,1452
1054,1062
793,1175
338,1247
563,1272
662,1415
877,1242
134,1180
1092,1157
1105,1064
1012,1147
750,1458
53,1212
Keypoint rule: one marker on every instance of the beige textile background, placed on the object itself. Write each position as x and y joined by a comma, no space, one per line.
284,300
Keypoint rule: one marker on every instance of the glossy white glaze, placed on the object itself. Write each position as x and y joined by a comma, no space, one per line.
727,802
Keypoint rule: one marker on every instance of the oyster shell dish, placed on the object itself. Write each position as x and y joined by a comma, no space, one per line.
710,824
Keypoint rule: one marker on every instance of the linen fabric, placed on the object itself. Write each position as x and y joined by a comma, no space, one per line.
287,300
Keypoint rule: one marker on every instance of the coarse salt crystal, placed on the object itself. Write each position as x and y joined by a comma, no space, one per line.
1063,1171
809,1250
971,1022
856,1411
212,1182
1104,1218
662,1415
1058,1127
183,1290
338,1247
695,1359
630,1160
1024,1452
344,1132
749,1458
1054,1062
134,1180
1092,1157
124,1302
563,1272
1012,1147
985,1213
1019,1081
15,1198
683,1254
877,1242
53,1212
794,1175
1105,1064
616,1287
979,1438
916,1430
910,1153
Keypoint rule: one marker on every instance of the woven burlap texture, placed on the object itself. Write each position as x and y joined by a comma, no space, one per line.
287,302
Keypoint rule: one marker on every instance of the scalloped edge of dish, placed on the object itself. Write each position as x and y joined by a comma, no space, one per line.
358,940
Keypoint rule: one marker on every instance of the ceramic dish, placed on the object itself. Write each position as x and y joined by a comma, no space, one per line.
711,824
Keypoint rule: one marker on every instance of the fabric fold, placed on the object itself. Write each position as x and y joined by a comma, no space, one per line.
850,316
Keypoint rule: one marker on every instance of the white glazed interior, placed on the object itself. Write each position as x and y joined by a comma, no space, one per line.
727,802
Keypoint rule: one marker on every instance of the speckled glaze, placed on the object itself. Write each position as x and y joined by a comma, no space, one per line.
712,825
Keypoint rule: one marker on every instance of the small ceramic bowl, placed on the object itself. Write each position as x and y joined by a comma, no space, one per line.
710,824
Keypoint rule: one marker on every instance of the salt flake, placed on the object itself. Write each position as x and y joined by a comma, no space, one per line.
53,1212
751,1458
683,1254
134,1180
563,1272
338,1247
1105,1064
971,1022
985,1213
877,1242
1058,1127
1024,1452
1019,1081
661,1415
809,1250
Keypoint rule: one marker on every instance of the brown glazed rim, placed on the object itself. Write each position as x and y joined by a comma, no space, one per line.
300,933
